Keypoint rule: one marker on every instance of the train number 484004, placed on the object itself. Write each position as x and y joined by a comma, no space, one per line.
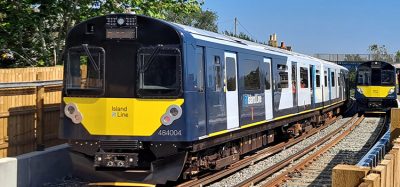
170,132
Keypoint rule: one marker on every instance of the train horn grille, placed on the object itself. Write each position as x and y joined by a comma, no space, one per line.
126,145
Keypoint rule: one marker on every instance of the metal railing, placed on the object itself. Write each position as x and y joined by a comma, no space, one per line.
391,58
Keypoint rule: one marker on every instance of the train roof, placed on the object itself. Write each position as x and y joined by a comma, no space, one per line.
209,36
382,64
237,42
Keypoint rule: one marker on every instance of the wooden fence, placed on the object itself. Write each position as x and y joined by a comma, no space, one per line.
29,116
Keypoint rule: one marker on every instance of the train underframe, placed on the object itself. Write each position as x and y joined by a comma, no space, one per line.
157,163
376,104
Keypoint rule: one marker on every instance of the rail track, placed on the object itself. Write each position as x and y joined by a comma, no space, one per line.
338,146
261,156
314,167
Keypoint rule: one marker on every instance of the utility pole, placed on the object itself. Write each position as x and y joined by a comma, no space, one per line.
235,25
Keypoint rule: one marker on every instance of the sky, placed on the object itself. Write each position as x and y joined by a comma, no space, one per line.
315,26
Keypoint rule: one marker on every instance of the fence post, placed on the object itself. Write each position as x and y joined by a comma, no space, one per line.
348,175
394,124
39,113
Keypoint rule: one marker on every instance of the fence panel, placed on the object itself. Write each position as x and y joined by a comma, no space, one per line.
19,112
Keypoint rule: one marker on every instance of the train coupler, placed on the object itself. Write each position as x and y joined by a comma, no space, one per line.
116,160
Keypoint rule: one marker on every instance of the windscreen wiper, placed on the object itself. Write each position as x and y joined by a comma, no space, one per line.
91,60
147,64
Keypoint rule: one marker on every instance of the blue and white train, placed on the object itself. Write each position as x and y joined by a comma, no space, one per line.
149,100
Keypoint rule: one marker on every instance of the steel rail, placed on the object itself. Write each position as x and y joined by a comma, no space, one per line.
249,160
306,162
280,165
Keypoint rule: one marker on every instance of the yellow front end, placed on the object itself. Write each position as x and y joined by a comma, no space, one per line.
121,116
375,91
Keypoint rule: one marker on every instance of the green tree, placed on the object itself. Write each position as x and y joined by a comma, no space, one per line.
37,29
379,53
203,19
241,35
353,58
397,56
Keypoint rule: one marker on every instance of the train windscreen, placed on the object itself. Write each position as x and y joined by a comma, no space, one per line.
159,72
375,76
85,71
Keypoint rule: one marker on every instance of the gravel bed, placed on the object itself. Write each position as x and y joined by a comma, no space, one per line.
67,182
250,171
348,151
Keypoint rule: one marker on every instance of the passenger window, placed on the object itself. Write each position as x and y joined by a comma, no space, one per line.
333,78
283,76
200,68
303,77
268,76
230,74
339,80
326,78
251,75
318,78
217,73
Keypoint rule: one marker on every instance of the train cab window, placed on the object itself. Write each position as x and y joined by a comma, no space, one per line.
251,72
326,78
388,77
283,76
200,68
318,79
303,77
159,70
364,76
230,74
333,78
85,71
217,73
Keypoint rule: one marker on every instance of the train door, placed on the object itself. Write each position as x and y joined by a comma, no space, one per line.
318,87
334,85
231,90
199,95
215,95
345,85
340,85
330,85
312,85
281,89
304,101
268,90
294,86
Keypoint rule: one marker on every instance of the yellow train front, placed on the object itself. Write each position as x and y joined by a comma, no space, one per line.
376,87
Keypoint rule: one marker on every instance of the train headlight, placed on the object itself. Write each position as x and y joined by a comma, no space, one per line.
173,113
166,119
391,91
72,112
359,90
120,21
